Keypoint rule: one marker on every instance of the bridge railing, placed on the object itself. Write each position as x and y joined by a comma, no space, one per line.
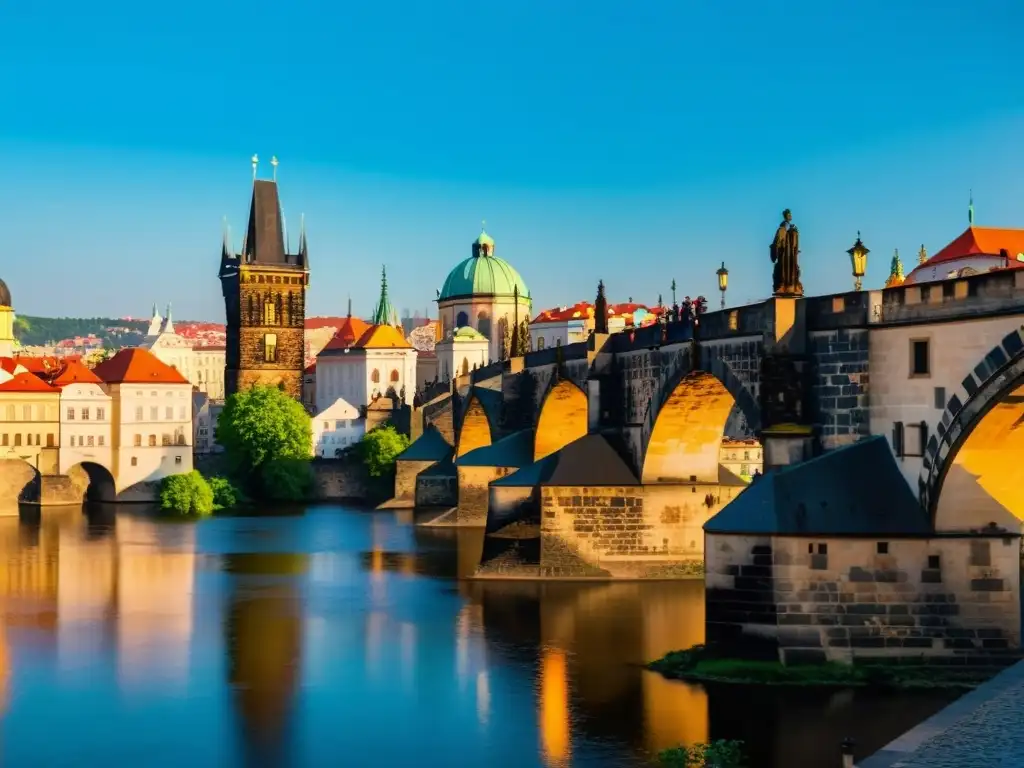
981,294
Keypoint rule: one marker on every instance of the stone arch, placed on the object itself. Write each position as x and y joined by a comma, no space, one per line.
93,481
686,431
562,419
973,458
20,482
475,427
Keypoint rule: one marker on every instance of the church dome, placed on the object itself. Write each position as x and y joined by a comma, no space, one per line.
483,274
5,295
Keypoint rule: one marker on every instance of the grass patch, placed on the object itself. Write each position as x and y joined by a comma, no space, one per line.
700,664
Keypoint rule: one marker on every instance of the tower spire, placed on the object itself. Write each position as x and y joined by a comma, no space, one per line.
896,276
350,305
970,209
922,255
384,313
168,322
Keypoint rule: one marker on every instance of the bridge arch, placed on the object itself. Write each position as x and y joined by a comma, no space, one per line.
562,419
93,481
475,428
687,428
971,472
20,482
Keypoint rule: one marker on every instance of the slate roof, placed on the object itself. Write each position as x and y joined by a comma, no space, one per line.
264,242
443,468
856,490
515,450
589,461
430,446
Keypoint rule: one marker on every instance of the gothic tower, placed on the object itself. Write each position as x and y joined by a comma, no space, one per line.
264,291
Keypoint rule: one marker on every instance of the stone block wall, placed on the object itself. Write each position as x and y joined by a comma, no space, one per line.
474,493
839,385
19,482
437,491
333,479
840,599
406,473
509,504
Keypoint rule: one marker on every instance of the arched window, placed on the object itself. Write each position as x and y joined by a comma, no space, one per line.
465,367
540,343
394,375
375,376
270,348
483,323
462,320
269,311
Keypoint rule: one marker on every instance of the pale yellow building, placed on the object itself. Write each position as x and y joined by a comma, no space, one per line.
30,422
742,456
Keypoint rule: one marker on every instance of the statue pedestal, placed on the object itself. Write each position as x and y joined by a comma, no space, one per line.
786,444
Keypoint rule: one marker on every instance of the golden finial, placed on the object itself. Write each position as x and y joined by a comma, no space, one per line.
922,255
273,162
255,163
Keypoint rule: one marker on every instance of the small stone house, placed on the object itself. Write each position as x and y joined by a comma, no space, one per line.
834,559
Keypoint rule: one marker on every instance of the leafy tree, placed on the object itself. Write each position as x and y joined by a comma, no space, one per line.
225,494
380,447
263,424
187,494
287,479
718,754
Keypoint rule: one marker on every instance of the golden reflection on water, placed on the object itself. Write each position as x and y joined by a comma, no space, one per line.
555,725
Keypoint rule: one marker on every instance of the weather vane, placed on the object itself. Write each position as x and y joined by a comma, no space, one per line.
273,162
255,162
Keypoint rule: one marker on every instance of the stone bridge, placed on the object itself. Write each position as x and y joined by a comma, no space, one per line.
36,481
922,365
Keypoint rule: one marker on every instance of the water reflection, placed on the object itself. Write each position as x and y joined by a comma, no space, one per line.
344,637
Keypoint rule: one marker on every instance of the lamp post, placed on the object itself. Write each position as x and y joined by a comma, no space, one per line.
723,281
859,260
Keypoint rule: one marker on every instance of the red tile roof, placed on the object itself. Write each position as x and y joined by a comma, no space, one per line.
986,241
8,364
74,372
350,330
137,366
314,323
579,311
26,382
37,364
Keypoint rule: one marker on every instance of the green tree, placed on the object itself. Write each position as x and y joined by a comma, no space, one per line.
287,479
188,494
718,754
224,492
380,447
263,424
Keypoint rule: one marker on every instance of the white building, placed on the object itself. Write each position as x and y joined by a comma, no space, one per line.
202,366
86,417
460,352
485,293
205,413
562,326
337,428
151,407
381,362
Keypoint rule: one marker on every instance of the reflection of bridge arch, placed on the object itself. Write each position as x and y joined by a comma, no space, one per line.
94,481
689,426
973,464
19,481
563,419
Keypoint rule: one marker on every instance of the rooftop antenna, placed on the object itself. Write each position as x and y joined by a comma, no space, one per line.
273,162
255,163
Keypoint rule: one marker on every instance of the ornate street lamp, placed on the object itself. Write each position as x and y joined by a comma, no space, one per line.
723,281
859,260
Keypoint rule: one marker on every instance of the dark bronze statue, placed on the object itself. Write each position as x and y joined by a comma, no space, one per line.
785,251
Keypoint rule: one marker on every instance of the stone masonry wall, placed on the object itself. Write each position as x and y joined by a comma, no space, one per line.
838,399
334,479
437,491
474,493
406,473
843,599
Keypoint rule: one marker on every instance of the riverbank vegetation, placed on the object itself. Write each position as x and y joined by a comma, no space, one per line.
379,449
192,495
723,753
703,664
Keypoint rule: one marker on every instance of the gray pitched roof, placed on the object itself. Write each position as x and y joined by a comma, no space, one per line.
515,450
430,446
264,242
589,461
856,490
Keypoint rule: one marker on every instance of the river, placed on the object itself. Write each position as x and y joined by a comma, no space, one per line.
335,636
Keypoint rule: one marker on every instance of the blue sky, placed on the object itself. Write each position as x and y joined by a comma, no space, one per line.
633,142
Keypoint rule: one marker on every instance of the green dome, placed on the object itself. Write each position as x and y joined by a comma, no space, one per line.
465,333
483,274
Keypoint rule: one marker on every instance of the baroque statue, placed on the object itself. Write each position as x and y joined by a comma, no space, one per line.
785,250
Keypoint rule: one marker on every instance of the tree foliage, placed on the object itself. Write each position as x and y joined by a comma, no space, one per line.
261,425
718,754
187,494
287,479
38,331
380,447
225,494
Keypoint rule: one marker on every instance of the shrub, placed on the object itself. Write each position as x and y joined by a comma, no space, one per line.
188,494
287,479
225,494
718,754
380,447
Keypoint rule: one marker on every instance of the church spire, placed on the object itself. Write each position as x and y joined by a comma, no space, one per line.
922,255
384,313
168,322
155,322
303,249
970,210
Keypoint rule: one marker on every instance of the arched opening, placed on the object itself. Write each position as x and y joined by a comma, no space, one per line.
375,376
465,366
476,428
563,419
394,375
461,320
483,323
984,477
93,482
19,482
685,444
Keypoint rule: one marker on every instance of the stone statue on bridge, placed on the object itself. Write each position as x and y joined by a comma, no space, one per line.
785,251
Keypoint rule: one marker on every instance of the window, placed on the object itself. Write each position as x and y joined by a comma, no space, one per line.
897,438
340,423
39,439
483,323
100,441
152,441
138,413
49,440
101,414
270,348
85,414
169,413
540,343
17,438
165,439
177,459
940,398
823,549
744,469
71,441
909,439
394,375
934,562
920,357
135,461
138,441
152,394
181,413
154,413
327,425
90,441
462,320
375,376
179,439
71,414
882,548
26,412
746,455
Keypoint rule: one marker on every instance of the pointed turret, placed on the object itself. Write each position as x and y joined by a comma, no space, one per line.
303,249
384,313
168,322
155,323
896,276
922,255
601,309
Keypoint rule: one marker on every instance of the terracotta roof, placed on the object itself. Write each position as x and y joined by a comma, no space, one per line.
9,364
37,364
986,241
26,382
314,323
579,311
382,337
137,366
310,368
75,372
348,333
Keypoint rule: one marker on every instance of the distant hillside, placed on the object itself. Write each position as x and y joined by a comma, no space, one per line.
38,331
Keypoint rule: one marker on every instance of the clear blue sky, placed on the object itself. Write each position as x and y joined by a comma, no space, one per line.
634,142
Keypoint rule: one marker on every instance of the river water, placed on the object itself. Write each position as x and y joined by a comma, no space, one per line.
332,636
